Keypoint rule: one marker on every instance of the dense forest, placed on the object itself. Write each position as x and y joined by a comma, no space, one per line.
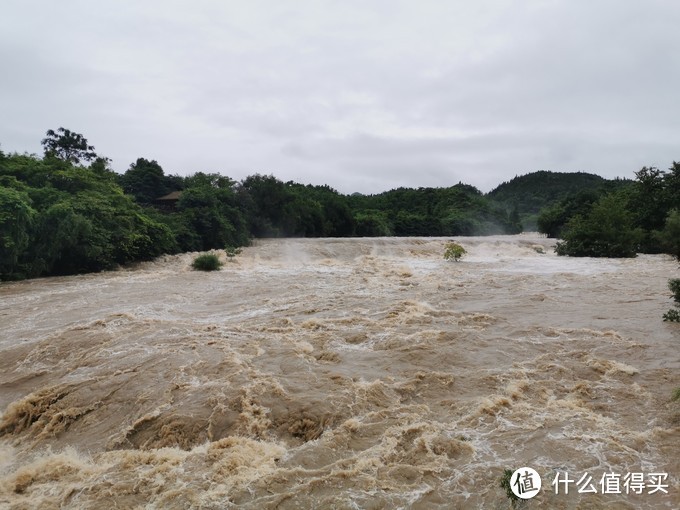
531,193
67,212
620,220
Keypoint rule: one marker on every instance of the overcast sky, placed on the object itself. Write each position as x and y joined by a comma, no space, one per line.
362,95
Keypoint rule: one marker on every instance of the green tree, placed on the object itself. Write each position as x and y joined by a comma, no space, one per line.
65,243
16,222
514,221
673,315
68,145
303,216
338,219
459,223
211,214
672,179
318,211
650,201
146,181
552,219
669,237
606,231
372,224
63,219
264,199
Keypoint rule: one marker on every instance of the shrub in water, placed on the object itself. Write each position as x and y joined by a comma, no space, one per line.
673,315
454,251
232,252
207,262
505,484
674,286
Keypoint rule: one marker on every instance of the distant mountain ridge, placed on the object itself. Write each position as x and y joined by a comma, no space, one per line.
532,192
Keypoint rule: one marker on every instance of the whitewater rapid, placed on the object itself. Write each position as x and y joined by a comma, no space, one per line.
339,373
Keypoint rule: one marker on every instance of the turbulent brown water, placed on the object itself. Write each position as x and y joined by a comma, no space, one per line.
339,373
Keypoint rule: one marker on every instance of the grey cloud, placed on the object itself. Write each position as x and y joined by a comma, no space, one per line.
364,96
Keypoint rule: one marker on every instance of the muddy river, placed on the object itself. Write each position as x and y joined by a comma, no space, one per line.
343,373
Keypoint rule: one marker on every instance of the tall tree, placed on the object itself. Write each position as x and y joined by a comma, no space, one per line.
68,145
145,181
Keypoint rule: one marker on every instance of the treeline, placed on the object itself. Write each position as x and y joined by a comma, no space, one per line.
67,212
458,210
270,207
641,216
60,218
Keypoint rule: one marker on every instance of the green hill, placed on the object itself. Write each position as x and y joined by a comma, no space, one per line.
534,191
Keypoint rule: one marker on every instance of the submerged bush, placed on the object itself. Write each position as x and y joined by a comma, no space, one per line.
673,315
207,262
454,251
232,252
505,484
674,286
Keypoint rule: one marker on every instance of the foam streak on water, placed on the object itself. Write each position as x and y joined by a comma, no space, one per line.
338,373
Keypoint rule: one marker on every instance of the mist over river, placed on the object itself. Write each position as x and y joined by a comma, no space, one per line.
340,373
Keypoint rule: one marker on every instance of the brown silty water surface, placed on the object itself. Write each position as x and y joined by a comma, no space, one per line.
339,373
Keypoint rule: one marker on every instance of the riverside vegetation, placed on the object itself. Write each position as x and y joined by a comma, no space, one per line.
67,212
673,315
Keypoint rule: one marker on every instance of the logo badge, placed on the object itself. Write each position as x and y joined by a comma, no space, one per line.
525,483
